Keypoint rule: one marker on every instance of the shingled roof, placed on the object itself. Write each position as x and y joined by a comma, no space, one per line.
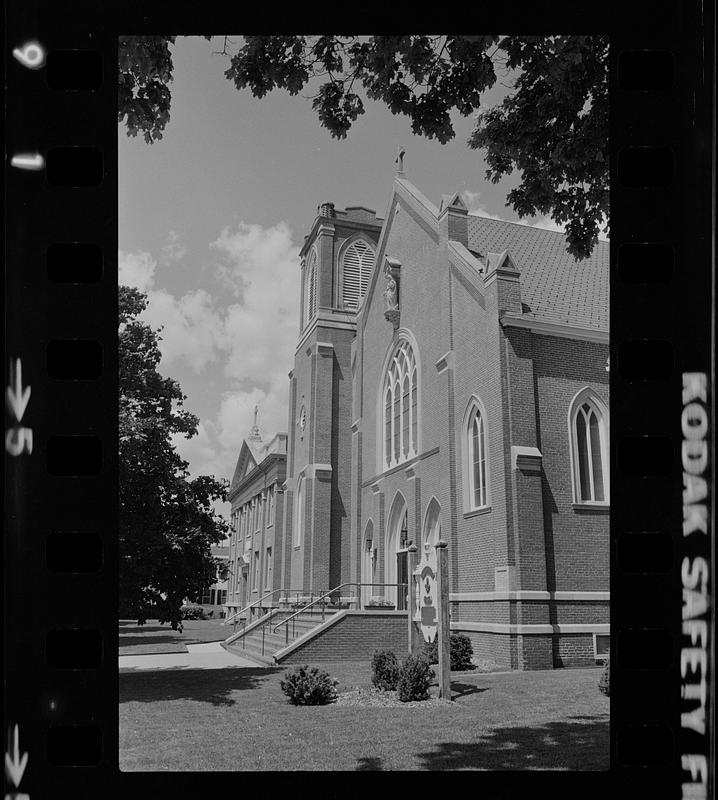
554,286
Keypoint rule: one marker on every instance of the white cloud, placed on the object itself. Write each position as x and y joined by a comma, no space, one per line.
546,223
261,330
193,329
476,207
137,270
253,338
198,451
174,249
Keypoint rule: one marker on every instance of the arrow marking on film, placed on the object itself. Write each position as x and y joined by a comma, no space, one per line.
16,397
15,766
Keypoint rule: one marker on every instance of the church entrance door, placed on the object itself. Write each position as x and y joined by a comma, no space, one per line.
368,568
402,578
243,599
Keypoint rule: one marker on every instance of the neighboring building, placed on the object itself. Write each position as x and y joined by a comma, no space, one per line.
450,381
257,497
214,598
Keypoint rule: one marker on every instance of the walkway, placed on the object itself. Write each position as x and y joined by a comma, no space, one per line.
199,656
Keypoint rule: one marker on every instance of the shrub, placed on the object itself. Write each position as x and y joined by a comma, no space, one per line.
414,678
309,687
460,652
604,683
379,602
192,612
384,670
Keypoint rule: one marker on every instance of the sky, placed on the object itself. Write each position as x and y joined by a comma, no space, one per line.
213,215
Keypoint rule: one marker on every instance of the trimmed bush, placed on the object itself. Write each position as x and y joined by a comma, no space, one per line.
384,670
379,602
192,612
414,679
604,683
460,652
309,687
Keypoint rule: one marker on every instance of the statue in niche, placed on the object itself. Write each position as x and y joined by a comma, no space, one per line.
390,293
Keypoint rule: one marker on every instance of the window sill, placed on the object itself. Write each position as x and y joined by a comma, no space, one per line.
592,508
477,512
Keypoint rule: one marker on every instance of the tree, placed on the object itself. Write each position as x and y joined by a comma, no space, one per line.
167,524
552,126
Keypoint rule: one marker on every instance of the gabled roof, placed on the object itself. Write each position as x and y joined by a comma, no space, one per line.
246,462
253,452
554,286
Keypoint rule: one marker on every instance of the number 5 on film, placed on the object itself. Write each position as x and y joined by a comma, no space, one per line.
17,438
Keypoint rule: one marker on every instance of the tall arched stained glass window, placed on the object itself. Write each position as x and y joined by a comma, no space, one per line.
476,482
400,434
588,421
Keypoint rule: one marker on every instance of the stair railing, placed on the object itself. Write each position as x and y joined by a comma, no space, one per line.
246,608
336,589
297,592
257,602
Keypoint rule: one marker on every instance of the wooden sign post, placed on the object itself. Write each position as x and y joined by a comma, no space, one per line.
442,575
430,607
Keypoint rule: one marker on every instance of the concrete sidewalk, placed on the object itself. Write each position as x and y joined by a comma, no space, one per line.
210,655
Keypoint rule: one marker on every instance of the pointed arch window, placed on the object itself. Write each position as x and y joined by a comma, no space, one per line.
588,425
299,521
310,288
400,434
476,483
357,263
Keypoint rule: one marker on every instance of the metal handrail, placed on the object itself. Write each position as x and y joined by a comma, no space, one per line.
326,594
251,605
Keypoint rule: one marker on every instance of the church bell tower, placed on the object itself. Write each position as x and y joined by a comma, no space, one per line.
337,260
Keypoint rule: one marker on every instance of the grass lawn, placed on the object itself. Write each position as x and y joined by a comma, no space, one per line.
550,720
139,640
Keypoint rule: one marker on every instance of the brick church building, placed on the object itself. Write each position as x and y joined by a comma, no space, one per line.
450,381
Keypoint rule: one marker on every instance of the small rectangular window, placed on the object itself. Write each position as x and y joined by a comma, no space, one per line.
601,646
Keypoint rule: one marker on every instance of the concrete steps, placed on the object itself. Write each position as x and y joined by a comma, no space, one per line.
260,643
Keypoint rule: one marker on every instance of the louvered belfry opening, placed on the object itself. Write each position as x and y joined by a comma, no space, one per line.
357,263
310,289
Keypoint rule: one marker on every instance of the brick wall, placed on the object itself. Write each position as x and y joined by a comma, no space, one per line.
355,637
524,383
573,650
577,539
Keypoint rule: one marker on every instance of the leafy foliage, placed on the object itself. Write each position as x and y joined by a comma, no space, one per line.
604,683
460,652
552,126
379,602
414,679
143,94
384,670
192,612
167,524
554,129
309,687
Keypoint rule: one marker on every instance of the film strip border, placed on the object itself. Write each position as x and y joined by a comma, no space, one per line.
661,405
61,486
61,407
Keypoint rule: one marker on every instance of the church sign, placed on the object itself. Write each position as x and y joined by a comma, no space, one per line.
427,596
